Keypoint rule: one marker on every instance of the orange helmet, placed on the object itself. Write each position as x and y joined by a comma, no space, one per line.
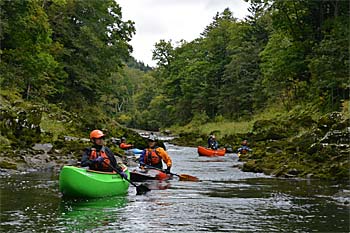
96,134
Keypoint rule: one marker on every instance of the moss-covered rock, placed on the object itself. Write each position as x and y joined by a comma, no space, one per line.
318,148
293,146
8,165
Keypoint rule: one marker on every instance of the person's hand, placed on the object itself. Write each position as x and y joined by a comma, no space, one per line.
99,159
123,175
167,170
142,169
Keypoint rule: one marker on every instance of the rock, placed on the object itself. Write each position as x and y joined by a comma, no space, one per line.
293,172
8,165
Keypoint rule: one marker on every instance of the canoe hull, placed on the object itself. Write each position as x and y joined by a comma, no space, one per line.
137,151
151,174
79,182
203,151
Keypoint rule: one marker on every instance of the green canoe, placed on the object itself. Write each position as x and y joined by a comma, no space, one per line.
79,182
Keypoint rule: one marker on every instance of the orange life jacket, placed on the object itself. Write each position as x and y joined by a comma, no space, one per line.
105,165
152,158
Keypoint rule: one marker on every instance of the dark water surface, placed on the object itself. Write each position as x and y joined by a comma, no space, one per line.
226,200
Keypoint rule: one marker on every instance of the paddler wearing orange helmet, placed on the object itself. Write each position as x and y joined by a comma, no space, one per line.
99,157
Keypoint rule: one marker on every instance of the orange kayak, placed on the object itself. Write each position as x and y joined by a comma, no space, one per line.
203,151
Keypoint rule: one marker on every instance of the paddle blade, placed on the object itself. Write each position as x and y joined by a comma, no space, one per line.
142,189
185,177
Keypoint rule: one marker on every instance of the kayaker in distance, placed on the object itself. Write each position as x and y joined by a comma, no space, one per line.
244,149
154,155
123,145
212,143
99,157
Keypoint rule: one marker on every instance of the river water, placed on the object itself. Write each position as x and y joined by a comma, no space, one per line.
226,200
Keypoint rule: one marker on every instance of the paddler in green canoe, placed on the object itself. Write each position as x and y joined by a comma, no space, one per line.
99,157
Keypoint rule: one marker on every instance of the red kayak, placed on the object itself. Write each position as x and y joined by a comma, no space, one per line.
203,151
149,174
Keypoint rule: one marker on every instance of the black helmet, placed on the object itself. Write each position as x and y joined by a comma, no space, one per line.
123,139
152,138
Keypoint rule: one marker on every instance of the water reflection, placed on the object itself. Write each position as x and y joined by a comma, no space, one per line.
88,214
225,200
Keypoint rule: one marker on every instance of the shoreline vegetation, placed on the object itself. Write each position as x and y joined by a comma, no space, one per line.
278,78
298,143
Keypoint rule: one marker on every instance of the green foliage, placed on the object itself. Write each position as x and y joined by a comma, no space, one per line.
65,52
330,66
73,55
95,44
163,53
291,52
26,45
283,65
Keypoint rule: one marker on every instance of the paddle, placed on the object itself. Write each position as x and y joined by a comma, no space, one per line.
182,177
140,189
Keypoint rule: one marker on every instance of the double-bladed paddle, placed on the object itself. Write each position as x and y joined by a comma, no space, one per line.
140,189
182,177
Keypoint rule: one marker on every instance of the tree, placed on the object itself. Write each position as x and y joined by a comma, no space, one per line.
26,51
95,41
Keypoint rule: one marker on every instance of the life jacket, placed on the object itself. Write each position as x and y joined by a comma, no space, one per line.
105,165
152,158
243,150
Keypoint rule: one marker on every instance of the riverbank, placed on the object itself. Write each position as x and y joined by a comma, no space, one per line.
298,143
294,145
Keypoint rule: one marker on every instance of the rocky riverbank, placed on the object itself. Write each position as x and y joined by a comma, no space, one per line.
37,138
294,147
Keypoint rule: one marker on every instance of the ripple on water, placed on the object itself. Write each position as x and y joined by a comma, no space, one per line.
225,200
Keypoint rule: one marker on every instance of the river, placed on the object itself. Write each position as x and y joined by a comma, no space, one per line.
226,200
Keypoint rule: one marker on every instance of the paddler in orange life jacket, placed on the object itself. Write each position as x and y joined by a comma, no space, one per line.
99,157
123,145
154,155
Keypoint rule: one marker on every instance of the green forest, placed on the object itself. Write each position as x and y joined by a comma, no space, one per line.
66,68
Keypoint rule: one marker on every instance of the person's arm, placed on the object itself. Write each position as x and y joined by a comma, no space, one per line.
210,143
125,146
142,158
164,155
85,162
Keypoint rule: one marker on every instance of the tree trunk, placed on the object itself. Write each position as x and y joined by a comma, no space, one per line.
28,91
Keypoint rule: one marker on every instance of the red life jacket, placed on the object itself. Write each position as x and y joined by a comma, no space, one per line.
152,158
105,165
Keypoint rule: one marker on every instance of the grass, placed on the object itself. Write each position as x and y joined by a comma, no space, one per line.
244,126
346,108
227,128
